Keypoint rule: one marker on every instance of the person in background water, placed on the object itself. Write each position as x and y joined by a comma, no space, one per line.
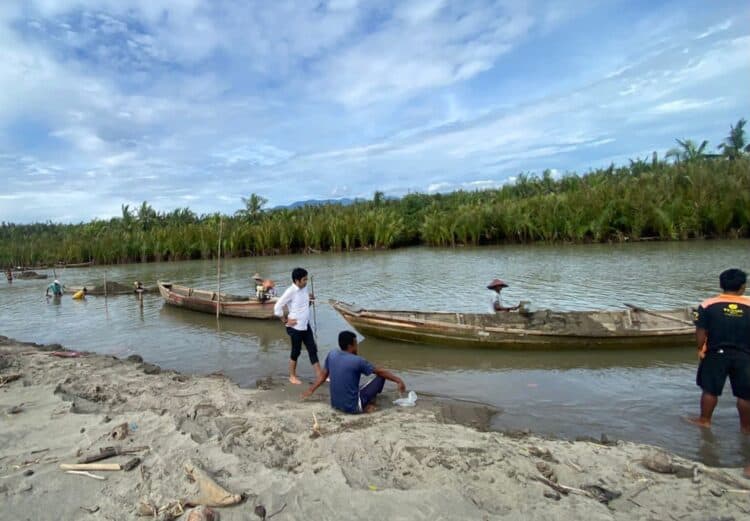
55,289
346,367
9,275
294,310
80,294
496,286
722,332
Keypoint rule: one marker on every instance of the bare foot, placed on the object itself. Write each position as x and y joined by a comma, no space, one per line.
700,422
295,380
370,407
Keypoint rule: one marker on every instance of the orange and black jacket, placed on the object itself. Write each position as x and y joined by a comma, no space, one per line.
726,318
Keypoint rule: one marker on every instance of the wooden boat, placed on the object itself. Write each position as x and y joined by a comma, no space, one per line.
206,301
30,275
75,265
113,288
533,330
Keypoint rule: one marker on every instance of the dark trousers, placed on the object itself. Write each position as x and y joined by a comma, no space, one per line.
370,390
300,337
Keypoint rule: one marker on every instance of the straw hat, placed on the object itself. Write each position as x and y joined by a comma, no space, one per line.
496,283
257,276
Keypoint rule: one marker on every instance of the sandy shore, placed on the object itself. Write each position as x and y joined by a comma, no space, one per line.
395,464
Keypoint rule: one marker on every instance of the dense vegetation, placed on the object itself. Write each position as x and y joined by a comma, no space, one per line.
689,194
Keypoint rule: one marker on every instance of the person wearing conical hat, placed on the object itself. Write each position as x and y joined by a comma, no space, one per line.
496,286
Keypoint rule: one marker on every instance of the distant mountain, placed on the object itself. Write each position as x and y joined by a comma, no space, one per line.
345,201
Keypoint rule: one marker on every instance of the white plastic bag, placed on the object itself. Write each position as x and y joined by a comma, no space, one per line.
409,401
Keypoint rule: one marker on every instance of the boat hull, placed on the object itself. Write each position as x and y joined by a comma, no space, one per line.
206,302
598,330
98,291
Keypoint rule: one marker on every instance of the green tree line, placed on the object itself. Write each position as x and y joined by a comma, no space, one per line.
687,194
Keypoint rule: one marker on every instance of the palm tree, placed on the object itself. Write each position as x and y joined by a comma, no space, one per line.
734,145
253,207
688,151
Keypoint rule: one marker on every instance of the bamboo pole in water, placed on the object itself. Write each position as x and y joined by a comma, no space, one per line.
105,284
218,272
315,314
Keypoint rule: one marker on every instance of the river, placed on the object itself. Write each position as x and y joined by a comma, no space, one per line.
637,395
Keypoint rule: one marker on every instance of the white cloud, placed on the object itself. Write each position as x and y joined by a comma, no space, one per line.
153,99
420,50
682,105
719,28
439,187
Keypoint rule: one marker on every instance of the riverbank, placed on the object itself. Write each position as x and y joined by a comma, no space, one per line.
397,463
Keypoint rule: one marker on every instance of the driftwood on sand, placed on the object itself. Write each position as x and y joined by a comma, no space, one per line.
87,474
663,463
110,452
90,466
210,493
6,379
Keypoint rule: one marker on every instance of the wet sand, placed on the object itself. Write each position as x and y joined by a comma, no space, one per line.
434,461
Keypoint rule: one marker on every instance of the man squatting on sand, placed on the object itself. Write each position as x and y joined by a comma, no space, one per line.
346,367
296,302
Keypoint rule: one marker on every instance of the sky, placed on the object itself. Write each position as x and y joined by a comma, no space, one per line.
199,103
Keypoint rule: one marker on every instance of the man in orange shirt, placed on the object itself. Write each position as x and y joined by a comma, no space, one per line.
722,331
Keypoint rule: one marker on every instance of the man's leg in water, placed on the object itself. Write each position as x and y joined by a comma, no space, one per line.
708,404
712,374
743,408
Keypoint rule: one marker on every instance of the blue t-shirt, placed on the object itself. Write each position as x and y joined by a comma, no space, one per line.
345,370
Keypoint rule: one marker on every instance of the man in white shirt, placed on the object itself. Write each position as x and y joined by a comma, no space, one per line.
296,302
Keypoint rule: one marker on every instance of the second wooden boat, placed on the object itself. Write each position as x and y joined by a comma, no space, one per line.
113,288
207,302
544,329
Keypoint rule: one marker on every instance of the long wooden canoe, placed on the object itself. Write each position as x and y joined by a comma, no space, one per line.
75,265
207,301
113,288
536,330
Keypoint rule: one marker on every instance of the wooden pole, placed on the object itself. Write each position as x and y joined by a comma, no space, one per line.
90,466
105,284
660,315
315,314
218,272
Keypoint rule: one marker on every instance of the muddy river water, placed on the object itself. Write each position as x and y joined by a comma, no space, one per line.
639,395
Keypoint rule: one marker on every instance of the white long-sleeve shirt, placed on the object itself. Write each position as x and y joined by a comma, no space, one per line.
297,301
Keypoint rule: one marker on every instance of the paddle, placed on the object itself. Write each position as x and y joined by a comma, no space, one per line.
660,315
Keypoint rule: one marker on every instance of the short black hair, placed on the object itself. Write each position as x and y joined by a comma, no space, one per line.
298,273
732,279
346,338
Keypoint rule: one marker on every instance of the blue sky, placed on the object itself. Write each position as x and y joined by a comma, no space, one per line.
201,102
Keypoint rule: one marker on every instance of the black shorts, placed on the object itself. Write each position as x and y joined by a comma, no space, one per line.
300,337
717,365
